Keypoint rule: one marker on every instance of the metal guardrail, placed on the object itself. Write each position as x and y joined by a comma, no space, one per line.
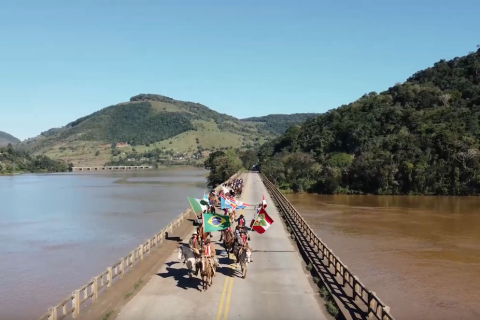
367,302
72,304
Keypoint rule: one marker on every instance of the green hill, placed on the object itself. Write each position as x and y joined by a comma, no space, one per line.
6,138
149,123
419,137
279,123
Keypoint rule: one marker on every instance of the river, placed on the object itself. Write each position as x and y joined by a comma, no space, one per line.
57,231
421,255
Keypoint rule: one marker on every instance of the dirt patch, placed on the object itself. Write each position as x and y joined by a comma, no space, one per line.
121,292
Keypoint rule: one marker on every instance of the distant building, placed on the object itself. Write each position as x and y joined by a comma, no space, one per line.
122,145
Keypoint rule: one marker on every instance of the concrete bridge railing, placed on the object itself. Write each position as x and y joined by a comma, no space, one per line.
342,284
71,305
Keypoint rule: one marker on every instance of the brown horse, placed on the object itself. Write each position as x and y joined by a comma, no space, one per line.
228,240
206,271
238,191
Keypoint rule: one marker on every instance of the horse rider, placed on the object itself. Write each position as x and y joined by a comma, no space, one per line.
240,242
193,243
209,250
242,223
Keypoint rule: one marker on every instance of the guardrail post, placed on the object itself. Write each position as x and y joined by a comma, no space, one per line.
109,276
371,303
95,288
140,248
355,284
131,258
76,303
53,313
122,267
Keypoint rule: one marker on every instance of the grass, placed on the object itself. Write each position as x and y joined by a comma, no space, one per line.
135,287
107,315
95,153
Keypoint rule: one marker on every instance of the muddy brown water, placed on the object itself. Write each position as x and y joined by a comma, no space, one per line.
421,255
57,231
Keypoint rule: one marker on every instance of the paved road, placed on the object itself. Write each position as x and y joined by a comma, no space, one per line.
276,286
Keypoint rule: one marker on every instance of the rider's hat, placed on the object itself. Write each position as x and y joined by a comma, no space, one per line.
207,241
194,234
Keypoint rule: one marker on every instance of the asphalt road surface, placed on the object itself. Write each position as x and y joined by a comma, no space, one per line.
276,286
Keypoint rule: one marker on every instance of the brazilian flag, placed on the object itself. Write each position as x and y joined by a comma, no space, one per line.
215,222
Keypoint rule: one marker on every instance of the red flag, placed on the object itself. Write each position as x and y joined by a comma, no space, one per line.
262,222
264,203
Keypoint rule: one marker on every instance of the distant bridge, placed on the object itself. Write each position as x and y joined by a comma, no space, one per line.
110,168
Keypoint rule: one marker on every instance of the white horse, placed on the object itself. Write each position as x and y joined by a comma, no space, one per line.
186,254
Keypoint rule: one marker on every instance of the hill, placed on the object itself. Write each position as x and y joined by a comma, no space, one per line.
6,138
279,123
148,126
418,137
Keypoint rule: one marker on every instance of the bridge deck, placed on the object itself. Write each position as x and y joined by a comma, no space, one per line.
276,286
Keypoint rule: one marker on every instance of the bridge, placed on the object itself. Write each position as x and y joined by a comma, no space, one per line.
294,275
110,168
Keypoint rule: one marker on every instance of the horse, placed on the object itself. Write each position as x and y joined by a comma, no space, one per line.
206,271
186,254
242,257
228,240
239,191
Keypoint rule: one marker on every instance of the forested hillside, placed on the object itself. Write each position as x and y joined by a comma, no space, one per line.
419,137
16,161
279,123
6,138
148,124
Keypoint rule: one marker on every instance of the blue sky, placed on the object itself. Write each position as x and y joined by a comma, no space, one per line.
61,60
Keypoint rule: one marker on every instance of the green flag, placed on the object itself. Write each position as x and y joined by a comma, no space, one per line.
198,205
215,222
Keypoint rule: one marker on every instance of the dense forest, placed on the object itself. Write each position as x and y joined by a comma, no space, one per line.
279,123
419,137
6,138
17,161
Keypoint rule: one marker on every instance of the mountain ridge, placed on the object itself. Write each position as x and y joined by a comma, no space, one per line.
6,138
150,121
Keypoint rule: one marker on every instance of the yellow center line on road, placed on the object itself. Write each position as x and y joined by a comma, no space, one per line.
228,285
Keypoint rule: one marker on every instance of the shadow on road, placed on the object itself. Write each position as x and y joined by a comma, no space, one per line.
181,276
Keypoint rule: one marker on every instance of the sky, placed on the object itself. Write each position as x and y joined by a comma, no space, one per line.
61,60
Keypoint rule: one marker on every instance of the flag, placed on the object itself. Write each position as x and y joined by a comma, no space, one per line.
215,222
205,197
241,205
198,205
262,222
227,204
264,203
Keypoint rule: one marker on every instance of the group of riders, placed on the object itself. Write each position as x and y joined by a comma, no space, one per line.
235,241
